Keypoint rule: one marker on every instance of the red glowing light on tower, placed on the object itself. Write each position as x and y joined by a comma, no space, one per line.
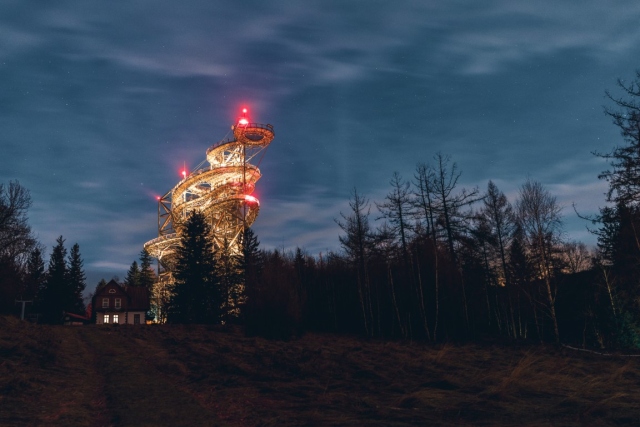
243,121
250,199
184,173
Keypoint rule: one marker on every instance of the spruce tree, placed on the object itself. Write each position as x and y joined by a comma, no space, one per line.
101,284
36,275
76,281
623,176
55,293
230,277
618,237
196,297
147,276
619,234
133,275
252,257
252,266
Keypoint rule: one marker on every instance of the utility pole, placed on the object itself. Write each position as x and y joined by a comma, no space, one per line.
24,302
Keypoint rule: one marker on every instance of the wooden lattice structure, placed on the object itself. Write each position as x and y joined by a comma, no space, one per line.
222,191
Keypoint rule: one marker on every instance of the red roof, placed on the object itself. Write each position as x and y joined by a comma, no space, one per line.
76,316
137,297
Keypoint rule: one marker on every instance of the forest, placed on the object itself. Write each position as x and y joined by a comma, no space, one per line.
446,264
450,263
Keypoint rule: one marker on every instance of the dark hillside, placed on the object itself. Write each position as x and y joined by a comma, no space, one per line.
173,375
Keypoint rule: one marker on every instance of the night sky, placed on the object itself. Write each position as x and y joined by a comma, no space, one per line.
101,104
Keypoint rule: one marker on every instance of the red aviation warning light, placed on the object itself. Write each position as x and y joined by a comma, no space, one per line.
184,173
250,198
243,121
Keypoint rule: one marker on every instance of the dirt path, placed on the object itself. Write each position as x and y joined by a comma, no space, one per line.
136,393
47,378
94,377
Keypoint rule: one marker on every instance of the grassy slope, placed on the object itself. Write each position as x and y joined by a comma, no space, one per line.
205,376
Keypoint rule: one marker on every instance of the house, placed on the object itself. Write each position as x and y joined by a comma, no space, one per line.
125,305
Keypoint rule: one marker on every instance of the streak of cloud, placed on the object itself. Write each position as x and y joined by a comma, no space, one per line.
101,106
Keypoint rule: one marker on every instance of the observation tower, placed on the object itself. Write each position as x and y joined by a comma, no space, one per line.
221,191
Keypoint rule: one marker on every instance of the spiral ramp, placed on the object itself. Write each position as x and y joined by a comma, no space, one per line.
222,192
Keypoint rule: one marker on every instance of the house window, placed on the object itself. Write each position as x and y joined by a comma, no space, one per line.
115,318
105,319
136,319
118,302
112,291
105,302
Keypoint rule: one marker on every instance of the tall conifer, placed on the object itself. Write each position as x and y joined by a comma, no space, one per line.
76,281
55,292
36,275
196,297
133,275
147,275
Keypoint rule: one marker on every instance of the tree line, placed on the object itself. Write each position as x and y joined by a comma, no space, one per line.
431,261
48,291
449,263
445,263
53,289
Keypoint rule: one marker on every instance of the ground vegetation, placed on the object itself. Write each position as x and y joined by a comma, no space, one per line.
217,376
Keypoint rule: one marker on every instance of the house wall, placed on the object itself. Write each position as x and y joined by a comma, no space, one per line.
124,317
112,301
130,317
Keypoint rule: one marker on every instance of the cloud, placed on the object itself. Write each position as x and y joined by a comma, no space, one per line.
101,106
586,197
109,266
489,38
307,222
89,184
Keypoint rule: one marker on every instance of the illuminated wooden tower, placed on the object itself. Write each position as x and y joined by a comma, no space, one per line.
222,191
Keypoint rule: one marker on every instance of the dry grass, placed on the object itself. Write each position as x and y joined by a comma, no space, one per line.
200,375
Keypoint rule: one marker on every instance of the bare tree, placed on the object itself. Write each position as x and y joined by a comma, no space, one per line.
386,247
540,219
500,220
452,217
425,212
576,256
425,209
16,242
397,210
357,244
16,239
